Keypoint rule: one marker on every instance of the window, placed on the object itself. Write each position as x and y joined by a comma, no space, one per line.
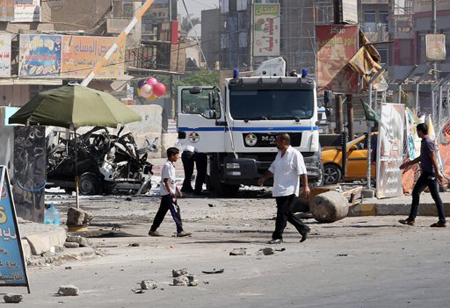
198,103
370,16
384,15
383,51
271,104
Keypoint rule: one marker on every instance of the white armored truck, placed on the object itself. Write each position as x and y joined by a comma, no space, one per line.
236,125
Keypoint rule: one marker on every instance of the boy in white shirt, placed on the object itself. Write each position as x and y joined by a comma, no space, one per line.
169,193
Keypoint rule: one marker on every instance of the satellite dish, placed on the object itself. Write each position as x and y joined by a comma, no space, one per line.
55,5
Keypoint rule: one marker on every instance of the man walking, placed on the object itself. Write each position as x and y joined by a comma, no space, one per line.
429,177
169,193
286,169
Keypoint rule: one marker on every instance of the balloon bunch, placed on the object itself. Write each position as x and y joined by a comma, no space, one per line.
151,89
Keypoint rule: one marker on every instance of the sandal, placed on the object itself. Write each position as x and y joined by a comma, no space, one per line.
439,224
406,222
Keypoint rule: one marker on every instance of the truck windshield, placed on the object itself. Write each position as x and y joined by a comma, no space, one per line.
271,104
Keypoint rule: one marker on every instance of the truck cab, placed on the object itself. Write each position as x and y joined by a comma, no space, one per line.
236,126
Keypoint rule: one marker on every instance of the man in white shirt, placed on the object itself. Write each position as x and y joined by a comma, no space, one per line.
286,169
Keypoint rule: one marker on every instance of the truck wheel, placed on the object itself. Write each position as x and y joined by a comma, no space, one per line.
89,184
332,174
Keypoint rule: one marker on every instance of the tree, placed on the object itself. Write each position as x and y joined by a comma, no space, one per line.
186,25
200,78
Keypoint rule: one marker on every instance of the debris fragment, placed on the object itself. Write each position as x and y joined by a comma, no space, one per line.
238,252
193,282
211,205
68,290
138,291
281,249
13,298
267,251
71,245
148,285
179,272
341,255
68,267
134,245
181,281
214,271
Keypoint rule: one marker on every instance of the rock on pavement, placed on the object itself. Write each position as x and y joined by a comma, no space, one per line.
68,290
148,285
329,207
179,272
77,217
181,281
13,298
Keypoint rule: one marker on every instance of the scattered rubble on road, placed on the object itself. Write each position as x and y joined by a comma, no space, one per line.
68,290
71,245
267,251
181,281
214,271
148,285
13,298
238,252
179,272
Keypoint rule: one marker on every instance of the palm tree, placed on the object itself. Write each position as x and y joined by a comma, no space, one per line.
186,26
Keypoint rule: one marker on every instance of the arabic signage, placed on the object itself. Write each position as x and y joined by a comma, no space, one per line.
81,54
266,30
390,151
13,271
27,10
6,10
5,55
336,46
435,47
40,55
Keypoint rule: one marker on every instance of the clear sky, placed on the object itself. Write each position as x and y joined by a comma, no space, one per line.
195,7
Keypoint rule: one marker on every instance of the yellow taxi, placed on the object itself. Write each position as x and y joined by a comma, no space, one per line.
356,162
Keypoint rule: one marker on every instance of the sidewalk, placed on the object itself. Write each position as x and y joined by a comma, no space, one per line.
399,206
44,244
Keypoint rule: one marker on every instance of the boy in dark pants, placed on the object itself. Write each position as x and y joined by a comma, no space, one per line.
429,177
168,196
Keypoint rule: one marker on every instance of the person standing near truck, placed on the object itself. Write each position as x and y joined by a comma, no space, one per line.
286,169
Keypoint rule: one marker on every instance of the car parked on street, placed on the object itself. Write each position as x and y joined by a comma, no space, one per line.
356,162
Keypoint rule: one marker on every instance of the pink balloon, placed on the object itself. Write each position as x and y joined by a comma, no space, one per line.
159,89
151,81
146,91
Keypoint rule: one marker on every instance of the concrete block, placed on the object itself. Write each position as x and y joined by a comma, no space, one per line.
26,249
44,241
329,207
78,217
168,140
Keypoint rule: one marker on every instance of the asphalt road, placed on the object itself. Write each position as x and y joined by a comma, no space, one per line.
356,262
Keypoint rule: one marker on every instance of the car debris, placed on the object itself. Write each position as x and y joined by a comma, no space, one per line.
106,163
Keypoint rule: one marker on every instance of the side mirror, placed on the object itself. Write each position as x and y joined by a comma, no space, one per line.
195,90
327,98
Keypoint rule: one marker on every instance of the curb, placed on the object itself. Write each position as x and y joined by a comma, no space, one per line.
378,209
68,255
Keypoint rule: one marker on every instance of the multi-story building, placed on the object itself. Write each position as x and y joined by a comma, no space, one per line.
411,22
211,36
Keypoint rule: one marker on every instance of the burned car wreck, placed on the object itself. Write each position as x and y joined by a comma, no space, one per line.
106,163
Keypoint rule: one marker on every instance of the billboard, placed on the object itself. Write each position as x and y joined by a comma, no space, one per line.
40,55
5,55
390,150
336,45
266,31
350,11
27,10
435,47
13,270
6,10
81,53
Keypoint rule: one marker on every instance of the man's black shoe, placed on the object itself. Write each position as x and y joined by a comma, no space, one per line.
305,234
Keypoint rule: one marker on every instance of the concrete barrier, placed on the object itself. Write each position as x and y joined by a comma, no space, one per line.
329,207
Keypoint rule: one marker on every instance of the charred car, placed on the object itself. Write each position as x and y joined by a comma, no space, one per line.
105,163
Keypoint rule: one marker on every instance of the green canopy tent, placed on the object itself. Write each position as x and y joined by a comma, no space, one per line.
74,106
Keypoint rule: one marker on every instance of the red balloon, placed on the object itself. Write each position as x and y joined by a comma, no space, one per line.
151,81
159,89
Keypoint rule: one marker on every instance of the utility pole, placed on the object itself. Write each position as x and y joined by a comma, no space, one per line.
172,96
434,30
252,28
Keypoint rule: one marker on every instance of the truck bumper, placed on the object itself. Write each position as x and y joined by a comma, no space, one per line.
247,171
